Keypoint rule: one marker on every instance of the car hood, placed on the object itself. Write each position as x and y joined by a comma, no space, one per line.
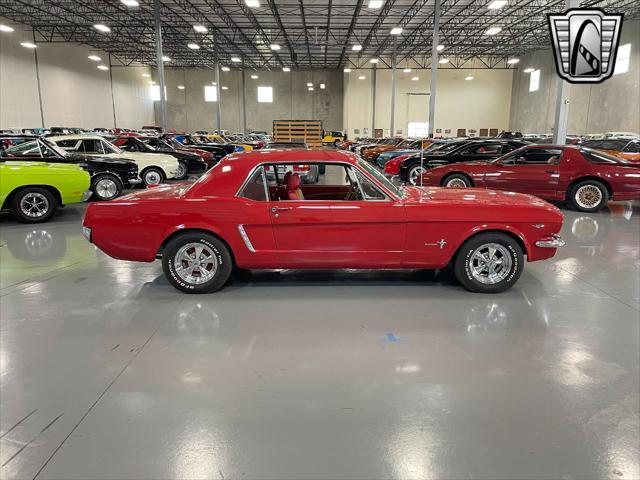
475,196
40,166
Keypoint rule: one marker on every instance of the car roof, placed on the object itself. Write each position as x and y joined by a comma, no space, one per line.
295,155
75,137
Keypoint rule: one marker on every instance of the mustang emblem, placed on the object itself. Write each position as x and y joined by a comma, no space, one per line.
440,243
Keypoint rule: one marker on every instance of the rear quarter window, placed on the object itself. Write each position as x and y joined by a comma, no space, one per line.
599,157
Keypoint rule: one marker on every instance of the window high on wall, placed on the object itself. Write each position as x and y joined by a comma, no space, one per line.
622,59
265,94
534,81
418,129
210,93
154,92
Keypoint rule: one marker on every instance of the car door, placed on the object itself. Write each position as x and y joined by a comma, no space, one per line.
533,170
331,229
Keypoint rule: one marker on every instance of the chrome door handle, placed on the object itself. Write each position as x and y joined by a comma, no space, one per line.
279,209
551,171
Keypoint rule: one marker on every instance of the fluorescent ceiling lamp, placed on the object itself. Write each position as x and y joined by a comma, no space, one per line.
406,70
528,70
375,3
166,59
103,67
468,78
28,44
322,86
255,77
102,28
513,61
439,48
347,70
275,47
6,28
443,60
252,3
94,58
415,79
213,83
146,75
224,88
361,77
374,60
496,4
180,87
286,69
310,89
356,48
309,84
225,69
493,31
396,31
235,59
193,46
200,28
130,3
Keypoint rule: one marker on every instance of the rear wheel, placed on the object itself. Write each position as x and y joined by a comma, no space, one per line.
589,196
34,205
197,263
106,186
152,176
456,180
182,171
489,263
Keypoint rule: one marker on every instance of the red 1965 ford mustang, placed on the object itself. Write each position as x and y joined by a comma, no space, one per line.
245,213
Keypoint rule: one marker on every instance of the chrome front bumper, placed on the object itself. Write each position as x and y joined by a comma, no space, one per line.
135,181
555,241
86,195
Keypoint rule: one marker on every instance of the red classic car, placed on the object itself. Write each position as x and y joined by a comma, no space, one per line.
584,177
243,213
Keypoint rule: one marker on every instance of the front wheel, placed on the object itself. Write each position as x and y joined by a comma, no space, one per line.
589,196
34,205
152,176
197,263
106,186
414,173
456,181
489,263
182,171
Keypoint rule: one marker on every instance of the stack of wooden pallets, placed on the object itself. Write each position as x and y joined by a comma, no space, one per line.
307,131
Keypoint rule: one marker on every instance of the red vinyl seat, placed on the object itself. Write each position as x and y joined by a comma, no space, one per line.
293,187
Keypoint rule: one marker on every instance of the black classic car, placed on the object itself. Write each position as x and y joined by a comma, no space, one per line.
218,150
461,151
109,176
188,162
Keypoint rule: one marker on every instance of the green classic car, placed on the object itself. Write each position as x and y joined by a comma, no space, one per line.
33,191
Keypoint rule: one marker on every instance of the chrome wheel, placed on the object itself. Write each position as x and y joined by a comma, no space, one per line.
34,205
106,188
414,174
588,196
490,263
181,172
152,177
456,183
195,263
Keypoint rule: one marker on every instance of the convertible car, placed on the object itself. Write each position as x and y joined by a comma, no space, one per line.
584,177
243,213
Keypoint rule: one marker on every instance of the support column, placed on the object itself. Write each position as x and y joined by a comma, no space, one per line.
113,99
561,116
244,102
373,99
393,88
160,64
434,67
216,69
35,56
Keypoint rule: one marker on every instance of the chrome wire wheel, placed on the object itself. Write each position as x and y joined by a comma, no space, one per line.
34,205
588,196
490,263
181,172
152,177
414,174
455,183
106,188
195,263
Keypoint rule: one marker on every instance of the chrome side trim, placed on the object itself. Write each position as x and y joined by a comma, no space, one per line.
245,237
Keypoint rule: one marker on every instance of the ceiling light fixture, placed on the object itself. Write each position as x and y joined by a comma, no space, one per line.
103,67
322,86
347,70
225,88
356,48
496,4
361,77
235,60
374,60
513,61
286,69
252,3
6,28
94,58
406,70
200,28
180,87
146,75
375,3
415,79
166,59
443,60
255,77
493,31
193,46
468,77
396,31
102,28
275,47
439,48
130,3
310,89
309,84
528,70
28,45
225,69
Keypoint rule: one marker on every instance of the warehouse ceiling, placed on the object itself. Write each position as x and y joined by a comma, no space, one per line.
311,34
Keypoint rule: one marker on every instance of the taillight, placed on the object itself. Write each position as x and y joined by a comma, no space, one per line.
301,168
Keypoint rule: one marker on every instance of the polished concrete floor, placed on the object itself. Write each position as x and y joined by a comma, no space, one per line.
108,372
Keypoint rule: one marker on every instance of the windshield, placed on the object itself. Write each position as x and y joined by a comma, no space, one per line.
109,147
380,177
36,148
